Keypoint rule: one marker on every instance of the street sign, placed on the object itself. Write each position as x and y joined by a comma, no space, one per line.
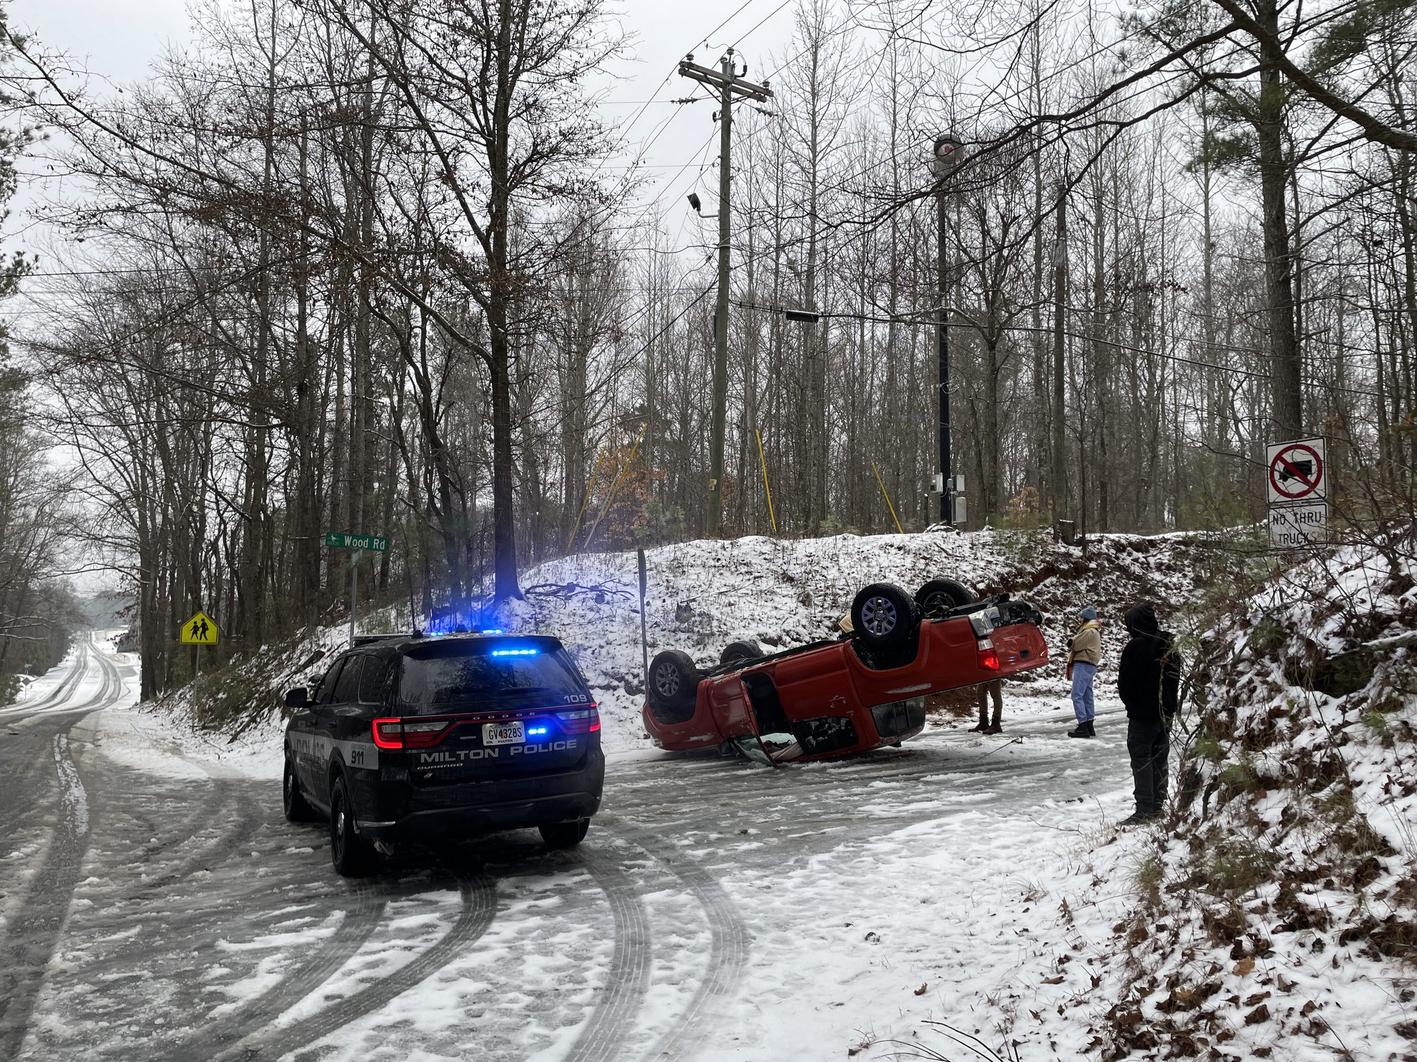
1298,472
345,540
1296,526
201,629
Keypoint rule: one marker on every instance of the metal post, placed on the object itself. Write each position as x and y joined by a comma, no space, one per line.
948,152
353,591
644,628
942,349
720,332
1060,300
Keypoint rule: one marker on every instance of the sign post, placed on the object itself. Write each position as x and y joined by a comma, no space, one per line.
644,630
358,543
1296,484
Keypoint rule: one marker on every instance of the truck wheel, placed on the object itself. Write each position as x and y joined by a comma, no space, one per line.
739,652
884,615
297,808
942,595
673,683
564,834
350,855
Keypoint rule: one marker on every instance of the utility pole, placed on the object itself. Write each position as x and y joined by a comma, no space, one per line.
731,89
947,157
1060,301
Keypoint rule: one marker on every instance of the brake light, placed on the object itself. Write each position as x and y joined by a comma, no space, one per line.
409,734
988,655
580,721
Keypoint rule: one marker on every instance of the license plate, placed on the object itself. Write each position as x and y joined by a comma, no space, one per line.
503,733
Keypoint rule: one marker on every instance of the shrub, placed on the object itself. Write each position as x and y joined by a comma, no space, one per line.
1238,865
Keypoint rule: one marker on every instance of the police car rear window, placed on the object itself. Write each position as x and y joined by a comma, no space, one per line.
466,676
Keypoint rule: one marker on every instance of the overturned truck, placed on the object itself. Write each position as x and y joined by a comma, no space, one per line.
856,692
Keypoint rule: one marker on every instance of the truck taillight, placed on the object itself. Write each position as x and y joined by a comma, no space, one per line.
408,733
988,655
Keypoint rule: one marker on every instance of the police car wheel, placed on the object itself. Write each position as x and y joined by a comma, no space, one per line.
564,834
350,855
297,808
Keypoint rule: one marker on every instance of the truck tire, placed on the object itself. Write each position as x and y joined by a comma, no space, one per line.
739,652
884,616
673,685
942,595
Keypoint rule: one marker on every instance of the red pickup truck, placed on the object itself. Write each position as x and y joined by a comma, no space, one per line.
850,694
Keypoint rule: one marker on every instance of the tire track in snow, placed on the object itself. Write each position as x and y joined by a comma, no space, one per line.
479,906
228,842
627,979
728,945
36,928
359,923
24,777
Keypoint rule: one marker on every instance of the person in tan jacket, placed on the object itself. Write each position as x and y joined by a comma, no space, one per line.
1084,655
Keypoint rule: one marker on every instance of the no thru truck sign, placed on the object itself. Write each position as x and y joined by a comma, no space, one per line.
1298,472
1297,480
1297,526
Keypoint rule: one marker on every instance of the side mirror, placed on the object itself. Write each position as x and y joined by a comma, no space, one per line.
297,698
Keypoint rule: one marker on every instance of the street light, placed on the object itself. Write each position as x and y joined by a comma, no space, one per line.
949,151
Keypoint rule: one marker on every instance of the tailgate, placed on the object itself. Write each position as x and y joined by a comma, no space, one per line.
1020,647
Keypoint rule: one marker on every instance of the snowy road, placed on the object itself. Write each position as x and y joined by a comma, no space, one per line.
717,910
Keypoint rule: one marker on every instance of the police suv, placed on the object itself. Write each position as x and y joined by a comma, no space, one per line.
441,738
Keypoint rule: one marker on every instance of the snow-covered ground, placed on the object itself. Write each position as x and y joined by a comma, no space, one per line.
962,897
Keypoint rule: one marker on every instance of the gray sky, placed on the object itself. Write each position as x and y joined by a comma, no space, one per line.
116,40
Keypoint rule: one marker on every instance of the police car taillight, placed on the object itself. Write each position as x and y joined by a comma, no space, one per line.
408,733
580,721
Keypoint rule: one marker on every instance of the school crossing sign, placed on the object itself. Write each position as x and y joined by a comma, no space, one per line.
201,629
1297,482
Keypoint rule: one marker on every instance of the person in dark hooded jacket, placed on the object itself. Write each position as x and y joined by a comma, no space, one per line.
1148,680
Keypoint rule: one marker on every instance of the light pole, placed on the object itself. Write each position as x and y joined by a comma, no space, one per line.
948,153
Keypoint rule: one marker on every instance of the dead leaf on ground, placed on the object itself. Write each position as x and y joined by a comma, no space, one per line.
1244,966
1259,1014
921,990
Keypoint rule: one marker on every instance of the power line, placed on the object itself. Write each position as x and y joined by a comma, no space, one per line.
1076,336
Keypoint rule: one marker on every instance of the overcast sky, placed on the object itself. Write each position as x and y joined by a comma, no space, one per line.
117,40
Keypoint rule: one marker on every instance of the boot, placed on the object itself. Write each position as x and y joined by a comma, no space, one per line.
1090,731
1079,731
994,727
980,727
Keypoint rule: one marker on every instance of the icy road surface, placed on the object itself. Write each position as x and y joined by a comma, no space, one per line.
158,907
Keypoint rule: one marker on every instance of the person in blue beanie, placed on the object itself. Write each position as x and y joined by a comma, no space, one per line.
1084,655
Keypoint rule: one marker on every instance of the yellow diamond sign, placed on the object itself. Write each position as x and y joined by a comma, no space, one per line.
199,630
